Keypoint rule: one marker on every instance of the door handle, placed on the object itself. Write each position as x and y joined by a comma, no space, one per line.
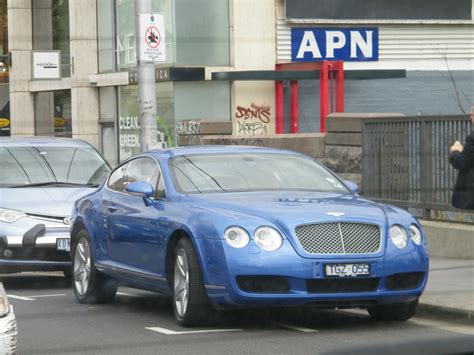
111,207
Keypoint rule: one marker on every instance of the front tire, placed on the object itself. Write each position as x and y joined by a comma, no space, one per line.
190,301
396,311
89,285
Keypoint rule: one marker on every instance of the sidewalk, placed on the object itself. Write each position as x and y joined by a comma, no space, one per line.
450,290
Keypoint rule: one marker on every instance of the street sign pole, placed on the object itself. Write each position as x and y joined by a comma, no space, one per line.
146,84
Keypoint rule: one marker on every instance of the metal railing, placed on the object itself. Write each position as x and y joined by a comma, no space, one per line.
405,160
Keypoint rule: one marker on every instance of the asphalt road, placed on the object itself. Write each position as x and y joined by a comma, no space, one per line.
50,321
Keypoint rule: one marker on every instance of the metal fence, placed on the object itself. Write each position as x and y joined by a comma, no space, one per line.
405,160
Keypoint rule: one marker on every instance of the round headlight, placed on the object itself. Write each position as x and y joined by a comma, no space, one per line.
399,236
268,238
415,234
236,237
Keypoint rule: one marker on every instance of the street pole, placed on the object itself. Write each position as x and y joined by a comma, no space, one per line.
146,84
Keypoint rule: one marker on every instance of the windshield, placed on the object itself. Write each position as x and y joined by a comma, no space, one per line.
212,173
30,166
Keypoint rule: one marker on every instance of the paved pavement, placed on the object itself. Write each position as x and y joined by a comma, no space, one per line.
50,321
450,289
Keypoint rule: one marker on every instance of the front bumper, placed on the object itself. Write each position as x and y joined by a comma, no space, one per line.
293,280
32,246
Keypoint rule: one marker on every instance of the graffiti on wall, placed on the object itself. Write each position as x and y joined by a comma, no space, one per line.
252,120
188,127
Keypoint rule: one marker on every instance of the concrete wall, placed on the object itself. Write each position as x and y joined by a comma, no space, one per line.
450,240
253,42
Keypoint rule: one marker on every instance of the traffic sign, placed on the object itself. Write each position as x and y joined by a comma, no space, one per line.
152,41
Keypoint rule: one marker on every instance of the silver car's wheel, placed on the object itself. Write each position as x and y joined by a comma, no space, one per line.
89,285
82,266
181,282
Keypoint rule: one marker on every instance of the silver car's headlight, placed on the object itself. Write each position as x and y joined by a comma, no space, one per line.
399,236
10,216
4,304
236,237
415,234
268,238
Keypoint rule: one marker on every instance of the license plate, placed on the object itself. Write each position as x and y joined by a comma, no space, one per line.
63,244
347,270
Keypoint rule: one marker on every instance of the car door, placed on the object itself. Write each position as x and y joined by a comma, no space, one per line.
131,225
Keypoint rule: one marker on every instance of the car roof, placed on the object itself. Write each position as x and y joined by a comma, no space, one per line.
217,149
41,141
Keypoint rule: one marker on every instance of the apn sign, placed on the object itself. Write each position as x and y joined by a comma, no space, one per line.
348,44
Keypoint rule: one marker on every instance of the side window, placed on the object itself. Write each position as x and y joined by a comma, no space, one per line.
116,181
142,169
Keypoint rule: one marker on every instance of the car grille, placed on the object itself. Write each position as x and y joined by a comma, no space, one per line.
339,238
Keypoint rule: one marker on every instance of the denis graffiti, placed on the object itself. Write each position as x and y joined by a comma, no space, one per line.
254,111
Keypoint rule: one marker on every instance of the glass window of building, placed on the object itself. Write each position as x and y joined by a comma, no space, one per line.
51,24
53,114
202,32
108,131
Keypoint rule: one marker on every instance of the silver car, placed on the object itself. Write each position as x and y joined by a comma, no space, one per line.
40,180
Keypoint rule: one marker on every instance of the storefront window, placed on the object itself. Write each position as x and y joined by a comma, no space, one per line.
129,125
53,114
108,133
208,101
51,24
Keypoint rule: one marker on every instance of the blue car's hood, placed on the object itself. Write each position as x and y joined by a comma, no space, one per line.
293,208
49,201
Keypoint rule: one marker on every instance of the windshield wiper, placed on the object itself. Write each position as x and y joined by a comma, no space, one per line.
55,183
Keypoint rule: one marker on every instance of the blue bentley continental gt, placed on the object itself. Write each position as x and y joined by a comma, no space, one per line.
219,228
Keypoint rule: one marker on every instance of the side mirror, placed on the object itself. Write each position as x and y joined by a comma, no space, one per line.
352,186
141,188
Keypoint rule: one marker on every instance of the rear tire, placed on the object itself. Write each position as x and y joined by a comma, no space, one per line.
89,285
396,311
190,301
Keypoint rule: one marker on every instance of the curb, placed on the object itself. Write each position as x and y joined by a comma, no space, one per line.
429,310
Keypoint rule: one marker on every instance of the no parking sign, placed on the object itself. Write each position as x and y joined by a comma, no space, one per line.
153,41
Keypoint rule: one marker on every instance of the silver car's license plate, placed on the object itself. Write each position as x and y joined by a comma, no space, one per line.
347,270
63,244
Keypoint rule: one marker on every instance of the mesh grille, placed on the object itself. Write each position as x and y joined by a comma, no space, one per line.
339,238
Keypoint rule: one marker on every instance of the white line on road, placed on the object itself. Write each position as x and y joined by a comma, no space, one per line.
443,325
172,332
50,295
293,327
20,297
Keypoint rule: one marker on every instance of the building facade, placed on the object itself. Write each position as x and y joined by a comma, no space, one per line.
424,64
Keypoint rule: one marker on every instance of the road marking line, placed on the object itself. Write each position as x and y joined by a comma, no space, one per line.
172,332
49,295
20,297
436,324
443,325
293,327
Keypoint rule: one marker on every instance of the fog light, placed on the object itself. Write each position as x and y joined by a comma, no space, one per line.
7,253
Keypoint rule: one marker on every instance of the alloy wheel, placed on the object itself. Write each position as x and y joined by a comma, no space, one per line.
82,266
181,282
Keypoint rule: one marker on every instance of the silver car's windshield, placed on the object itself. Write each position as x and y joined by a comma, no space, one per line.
51,166
250,172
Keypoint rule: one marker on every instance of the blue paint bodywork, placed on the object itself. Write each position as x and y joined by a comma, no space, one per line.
131,243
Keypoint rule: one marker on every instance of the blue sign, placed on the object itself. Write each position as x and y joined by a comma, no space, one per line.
347,44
